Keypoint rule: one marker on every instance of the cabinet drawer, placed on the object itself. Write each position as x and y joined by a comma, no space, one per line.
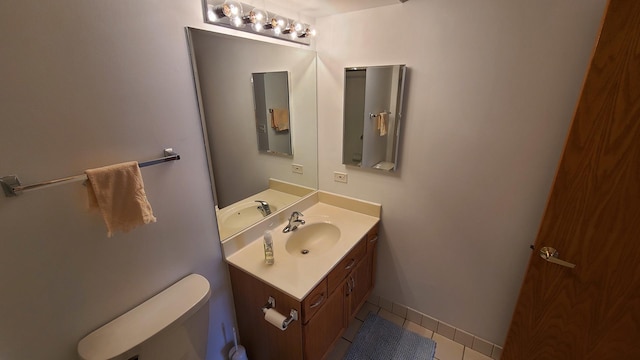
314,301
347,264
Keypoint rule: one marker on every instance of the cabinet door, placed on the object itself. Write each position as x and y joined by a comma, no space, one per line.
360,285
262,340
324,327
314,301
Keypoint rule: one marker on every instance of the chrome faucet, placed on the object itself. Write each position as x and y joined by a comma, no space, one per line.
294,222
264,207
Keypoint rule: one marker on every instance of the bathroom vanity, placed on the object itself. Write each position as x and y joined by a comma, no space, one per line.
323,275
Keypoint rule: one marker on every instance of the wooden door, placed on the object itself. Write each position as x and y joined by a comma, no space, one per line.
592,218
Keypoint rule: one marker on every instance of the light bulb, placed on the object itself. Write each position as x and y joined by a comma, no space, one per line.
237,21
258,19
307,32
293,29
290,29
281,24
215,13
232,8
270,23
211,15
233,11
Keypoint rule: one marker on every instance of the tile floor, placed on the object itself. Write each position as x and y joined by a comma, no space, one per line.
446,349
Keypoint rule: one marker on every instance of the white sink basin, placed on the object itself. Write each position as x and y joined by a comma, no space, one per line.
312,239
242,215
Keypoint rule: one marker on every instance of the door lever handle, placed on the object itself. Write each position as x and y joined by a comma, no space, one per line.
551,255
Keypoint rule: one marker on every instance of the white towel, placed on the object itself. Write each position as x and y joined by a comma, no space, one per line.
382,119
118,191
280,119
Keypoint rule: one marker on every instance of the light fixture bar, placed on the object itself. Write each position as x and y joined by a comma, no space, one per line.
230,14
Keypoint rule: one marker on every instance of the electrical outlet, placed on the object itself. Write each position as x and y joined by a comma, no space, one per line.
296,168
339,176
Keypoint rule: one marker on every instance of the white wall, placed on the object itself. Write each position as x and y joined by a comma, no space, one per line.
86,84
491,90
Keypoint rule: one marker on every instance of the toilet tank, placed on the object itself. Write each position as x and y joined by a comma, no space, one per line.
171,325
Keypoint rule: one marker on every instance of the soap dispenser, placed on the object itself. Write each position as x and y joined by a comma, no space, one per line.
268,248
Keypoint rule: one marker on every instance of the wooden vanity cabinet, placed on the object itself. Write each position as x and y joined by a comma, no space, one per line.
324,313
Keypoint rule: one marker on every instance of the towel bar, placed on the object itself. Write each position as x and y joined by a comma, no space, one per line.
373,116
12,186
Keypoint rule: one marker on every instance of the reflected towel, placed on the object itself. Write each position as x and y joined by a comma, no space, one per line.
280,119
382,120
118,191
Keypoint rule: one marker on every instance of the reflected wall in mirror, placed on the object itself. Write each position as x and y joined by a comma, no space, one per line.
271,105
373,98
242,174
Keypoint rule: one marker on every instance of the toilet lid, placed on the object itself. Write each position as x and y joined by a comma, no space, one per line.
174,304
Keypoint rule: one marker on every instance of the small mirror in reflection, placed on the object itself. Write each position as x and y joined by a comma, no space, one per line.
271,105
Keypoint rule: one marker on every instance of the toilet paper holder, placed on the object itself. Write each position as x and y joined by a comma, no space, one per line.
271,304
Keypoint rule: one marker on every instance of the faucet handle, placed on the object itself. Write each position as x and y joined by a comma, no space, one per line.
263,207
295,215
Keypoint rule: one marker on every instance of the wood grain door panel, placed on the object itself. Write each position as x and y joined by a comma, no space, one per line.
592,217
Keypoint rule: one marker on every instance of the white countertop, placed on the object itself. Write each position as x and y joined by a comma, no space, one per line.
297,275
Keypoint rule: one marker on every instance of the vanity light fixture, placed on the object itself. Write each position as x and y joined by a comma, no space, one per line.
229,13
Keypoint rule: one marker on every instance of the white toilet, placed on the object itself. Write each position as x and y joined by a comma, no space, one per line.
171,325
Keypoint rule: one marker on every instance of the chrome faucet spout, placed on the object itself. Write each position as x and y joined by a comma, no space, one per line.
264,207
294,222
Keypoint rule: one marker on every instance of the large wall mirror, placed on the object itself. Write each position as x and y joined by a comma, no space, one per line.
373,98
252,175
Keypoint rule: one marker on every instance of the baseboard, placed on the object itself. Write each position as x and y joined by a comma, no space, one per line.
440,327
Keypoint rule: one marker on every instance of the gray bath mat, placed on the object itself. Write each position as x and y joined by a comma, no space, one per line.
380,339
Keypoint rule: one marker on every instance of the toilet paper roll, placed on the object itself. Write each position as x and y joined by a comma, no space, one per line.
275,318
